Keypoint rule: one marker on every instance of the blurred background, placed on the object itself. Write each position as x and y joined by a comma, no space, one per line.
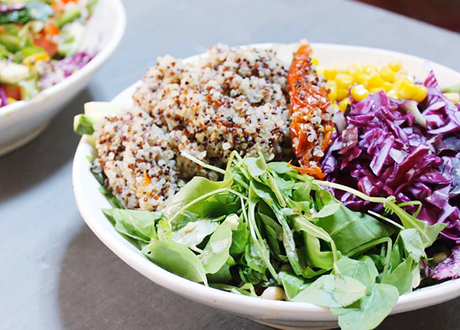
442,13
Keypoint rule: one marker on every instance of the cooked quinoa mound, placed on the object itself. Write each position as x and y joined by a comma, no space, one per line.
233,99
230,99
136,157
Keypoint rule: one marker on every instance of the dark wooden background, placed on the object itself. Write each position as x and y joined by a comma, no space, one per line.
442,13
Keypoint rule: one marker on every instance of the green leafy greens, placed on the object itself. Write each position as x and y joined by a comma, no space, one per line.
266,225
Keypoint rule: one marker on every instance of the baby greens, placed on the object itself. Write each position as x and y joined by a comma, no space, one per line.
267,225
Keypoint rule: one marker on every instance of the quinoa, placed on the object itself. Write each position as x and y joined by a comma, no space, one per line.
136,157
231,99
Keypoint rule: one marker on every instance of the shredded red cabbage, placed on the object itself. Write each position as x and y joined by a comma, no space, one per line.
3,98
448,268
385,151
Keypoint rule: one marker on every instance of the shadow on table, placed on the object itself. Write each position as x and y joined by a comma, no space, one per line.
97,290
27,166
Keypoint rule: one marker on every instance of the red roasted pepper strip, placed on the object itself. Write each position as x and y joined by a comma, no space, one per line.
307,97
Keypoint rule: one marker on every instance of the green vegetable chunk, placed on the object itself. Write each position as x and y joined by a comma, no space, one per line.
177,259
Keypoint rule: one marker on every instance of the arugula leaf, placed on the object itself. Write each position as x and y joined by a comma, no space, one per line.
428,233
318,258
191,197
217,250
401,276
370,311
363,270
280,167
139,225
194,232
332,291
413,244
350,230
240,239
256,166
292,284
177,259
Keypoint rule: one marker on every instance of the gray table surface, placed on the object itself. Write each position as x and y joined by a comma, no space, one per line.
54,273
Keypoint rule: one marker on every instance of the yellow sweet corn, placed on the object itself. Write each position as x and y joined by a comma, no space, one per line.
343,80
454,97
395,66
421,93
333,90
314,61
406,89
344,104
387,74
342,93
32,60
359,92
11,100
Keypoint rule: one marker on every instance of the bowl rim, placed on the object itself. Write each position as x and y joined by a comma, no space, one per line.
285,310
96,63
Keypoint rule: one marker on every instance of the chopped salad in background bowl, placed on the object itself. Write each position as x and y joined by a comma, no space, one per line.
48,52
306,192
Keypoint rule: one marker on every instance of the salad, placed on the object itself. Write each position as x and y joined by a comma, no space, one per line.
361,207
39,45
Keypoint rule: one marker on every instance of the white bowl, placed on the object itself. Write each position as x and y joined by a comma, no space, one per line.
280,314
22,121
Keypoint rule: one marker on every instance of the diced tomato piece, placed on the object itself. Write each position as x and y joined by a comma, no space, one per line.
12,91
48,45
51,29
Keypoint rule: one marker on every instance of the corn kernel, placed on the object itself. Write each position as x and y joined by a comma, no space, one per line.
376,81
454,97
387,74
333,90
343,80
376,90
329,73
387,86
395,66
359,93
342,93
406,89
359,78
32,60
392,94
11,100
344,104
314,61
421,93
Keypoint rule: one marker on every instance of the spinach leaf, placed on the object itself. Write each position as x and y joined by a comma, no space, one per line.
363,270
240,239
328,210
139,225
370,311
401,276
428,233
193,233
192,198
34,11
223,275
292,284
318,258
332,291
256,166
177,259
280,167
255,258
217,250
350,230
413,244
